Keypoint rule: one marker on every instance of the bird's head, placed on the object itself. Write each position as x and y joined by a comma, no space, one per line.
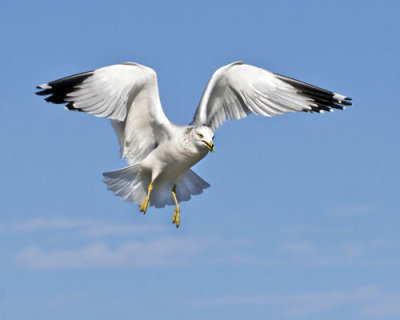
203,137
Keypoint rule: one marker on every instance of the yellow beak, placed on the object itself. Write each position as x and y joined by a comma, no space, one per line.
209,145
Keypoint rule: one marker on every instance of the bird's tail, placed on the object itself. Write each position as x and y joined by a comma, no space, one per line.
190,184
131,184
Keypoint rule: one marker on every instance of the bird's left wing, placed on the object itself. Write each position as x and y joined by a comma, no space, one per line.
125,93
236,90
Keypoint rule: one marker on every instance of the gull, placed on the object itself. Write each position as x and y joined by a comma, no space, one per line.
160,153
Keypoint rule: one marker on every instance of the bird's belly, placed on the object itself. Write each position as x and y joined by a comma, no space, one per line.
172,162
181,161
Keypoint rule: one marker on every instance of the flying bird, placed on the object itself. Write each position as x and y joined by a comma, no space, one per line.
160,153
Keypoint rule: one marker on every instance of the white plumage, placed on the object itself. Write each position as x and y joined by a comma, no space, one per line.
160,153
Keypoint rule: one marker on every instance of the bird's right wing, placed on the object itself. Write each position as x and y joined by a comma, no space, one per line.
125,93
238,89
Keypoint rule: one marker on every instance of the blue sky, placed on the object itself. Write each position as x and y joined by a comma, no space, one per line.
302,217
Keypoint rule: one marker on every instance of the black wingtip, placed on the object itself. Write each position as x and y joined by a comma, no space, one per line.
70,106
44,91
323,100
57,90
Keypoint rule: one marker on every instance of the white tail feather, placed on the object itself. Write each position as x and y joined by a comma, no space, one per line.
131,184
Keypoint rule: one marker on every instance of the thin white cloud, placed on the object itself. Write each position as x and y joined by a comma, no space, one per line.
385,244
161,252
93,228
355,250
341,253
353,210
150,252
296,248
386,305
301,229
367,301
140,245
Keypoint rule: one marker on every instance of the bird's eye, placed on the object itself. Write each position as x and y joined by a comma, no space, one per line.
200,135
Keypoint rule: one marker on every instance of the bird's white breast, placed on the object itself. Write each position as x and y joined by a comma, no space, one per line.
174,156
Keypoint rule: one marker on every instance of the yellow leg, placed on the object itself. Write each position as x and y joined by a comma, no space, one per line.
176,218
143,207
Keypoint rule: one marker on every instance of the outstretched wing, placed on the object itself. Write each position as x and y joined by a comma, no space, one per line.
125,93
236,90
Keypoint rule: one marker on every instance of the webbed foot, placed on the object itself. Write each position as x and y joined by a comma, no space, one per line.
143,207
145,204
176,218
